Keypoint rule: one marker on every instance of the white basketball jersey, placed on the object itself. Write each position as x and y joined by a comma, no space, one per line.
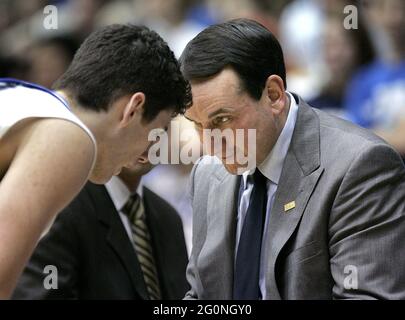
19,102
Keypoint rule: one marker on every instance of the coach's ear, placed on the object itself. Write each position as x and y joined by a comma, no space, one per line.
133,108
276,95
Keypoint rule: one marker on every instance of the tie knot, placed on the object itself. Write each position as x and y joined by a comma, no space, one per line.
131,207
259,178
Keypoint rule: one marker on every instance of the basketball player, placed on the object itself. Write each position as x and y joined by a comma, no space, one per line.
123,82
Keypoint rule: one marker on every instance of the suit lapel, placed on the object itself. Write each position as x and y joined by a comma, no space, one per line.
219,247
294,187
117,237
300,174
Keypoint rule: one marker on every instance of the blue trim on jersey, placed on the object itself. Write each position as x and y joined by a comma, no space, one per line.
10,83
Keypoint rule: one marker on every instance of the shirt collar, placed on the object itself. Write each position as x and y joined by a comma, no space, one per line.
272,166
118,192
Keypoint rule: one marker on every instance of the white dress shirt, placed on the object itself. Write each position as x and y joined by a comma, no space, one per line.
120,194
271,168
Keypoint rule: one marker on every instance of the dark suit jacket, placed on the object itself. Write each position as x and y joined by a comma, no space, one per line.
95,258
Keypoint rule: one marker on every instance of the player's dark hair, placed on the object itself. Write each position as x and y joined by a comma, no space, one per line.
118,60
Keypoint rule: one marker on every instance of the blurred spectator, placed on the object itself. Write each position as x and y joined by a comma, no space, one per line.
23,9
263,11
376,96
300,36
344,51
370,12
170,19
301,32
200,12
49,59
74,17
80,16
12,11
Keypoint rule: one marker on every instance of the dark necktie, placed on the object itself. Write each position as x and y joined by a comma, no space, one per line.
141,239
247,266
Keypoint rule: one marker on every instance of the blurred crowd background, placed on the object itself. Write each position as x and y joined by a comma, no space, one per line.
357,74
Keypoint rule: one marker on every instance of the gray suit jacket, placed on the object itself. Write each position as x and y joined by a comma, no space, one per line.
345,238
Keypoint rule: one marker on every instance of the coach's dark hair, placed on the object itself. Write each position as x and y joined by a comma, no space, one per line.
123,59
242,44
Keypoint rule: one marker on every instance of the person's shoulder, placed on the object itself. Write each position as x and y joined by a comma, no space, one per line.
153,199
81,208
344,141
34,102
56,149
160,211
345,129
23,103
55,130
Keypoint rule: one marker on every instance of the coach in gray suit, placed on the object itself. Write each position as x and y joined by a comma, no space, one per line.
322,216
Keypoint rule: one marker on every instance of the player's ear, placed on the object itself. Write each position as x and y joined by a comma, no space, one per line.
133,108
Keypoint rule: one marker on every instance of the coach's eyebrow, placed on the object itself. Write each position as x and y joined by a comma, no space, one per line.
219,111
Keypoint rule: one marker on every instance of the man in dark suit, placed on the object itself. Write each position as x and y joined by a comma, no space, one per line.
321,215
95,247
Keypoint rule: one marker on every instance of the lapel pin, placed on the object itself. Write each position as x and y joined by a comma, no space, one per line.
289,206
